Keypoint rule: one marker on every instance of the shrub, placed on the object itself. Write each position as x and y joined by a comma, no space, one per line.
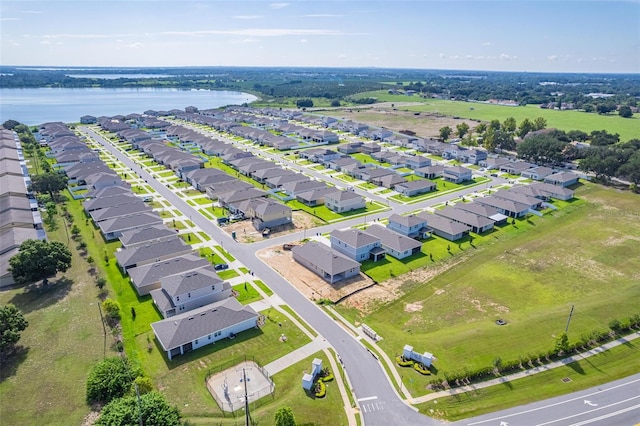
421,369
321,390
111,309
404,363
109,379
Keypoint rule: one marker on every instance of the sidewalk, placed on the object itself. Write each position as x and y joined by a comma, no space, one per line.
299,354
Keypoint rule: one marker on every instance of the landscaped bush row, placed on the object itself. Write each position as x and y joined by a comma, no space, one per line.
561,349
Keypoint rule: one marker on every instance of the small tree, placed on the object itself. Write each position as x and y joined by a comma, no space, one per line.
462,129
12,323
625,111
109,379
38,260
49,183
445,132
562,344
284,417
152,408
111,309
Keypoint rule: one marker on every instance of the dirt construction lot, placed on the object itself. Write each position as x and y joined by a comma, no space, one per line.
246,233
310,284
394,118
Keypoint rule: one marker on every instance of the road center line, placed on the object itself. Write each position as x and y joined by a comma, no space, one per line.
555,404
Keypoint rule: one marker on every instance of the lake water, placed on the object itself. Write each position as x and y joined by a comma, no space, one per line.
37,106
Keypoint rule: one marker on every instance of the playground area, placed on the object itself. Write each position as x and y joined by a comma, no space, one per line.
228,387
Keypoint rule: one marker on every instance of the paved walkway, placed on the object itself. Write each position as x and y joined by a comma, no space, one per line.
318,344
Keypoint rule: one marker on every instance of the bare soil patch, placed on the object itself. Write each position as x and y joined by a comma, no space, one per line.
307,282
427,124
246,233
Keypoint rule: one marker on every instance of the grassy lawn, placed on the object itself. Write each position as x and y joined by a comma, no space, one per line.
209,254
190,238
202,200
45,382
367,159
300,320
228,274
563,120
246,293
529,275
263,287
345,177
384,191
322,212
204,236
243,270
367,185
613,364
225,253
165,173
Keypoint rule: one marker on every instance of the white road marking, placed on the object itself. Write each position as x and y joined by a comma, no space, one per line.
553,405
369,398
589,411
606,416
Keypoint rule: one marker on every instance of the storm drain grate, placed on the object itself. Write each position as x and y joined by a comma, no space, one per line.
566,380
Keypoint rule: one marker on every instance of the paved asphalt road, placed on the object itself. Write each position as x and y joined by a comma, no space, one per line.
381,405
617,403
613,404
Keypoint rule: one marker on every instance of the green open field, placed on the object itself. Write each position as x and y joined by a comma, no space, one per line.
586,254
613,364
627,128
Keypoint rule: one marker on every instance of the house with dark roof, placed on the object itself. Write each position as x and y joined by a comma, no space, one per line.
278,181
145,235
544,191
506,207
370,148
417,161
563,179
356,244
389,181
350,148
203,326
151,252
147,277
232,199
493,163
117,211
344,201
516,167
314,197
537,173
189,290
484,210
444,227
394,243
430,172
264,174
533,202
113,228
478,224
411,226
265,213
327,263
110,201
214,190
415,187
457,174
341,162
292,189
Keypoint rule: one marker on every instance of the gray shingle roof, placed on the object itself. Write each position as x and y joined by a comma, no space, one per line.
117,211
464,216
443,224
408,221
354,237
392,239
185,282
148,274
325,258
181,329
153,250
149,233
136,220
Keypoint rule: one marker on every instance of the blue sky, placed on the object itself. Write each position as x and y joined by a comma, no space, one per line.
506,35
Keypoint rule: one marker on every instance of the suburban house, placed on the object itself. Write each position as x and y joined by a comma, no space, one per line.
350,148
189,290
356,244
292,189
115,200
483,210
515,168
231,199
117,211
320,155
493,163
344,201
457,174
506,207
278,181
478,224
208,324
411,226
445,228
544,191
341,162
329,264
314,197
151,252
264,174
415,187
430,172
562,179
265,213
113,228
370,148
389,181
147,277
537,173
138,236
417,161
395,244
533,202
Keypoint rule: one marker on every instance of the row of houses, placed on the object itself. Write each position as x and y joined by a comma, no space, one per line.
196,305
531,171
20,219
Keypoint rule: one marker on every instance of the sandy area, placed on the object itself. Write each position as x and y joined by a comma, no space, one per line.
246,233
427,124
310,284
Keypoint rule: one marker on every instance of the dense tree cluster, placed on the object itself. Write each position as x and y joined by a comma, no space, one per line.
111,378
150,409
39,260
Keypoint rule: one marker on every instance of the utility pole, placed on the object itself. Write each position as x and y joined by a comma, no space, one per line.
569,319
139,405
246,399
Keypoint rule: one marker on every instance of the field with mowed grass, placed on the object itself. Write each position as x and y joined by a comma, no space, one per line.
586,254
46,382
627,128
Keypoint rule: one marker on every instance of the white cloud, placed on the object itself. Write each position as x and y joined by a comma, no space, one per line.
442,56
552,57
10,19
136,45
342,56
487,43
85,36
323,15
247,17
304,40
32,11
258,32
278,5
45,42
507,57
469,56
